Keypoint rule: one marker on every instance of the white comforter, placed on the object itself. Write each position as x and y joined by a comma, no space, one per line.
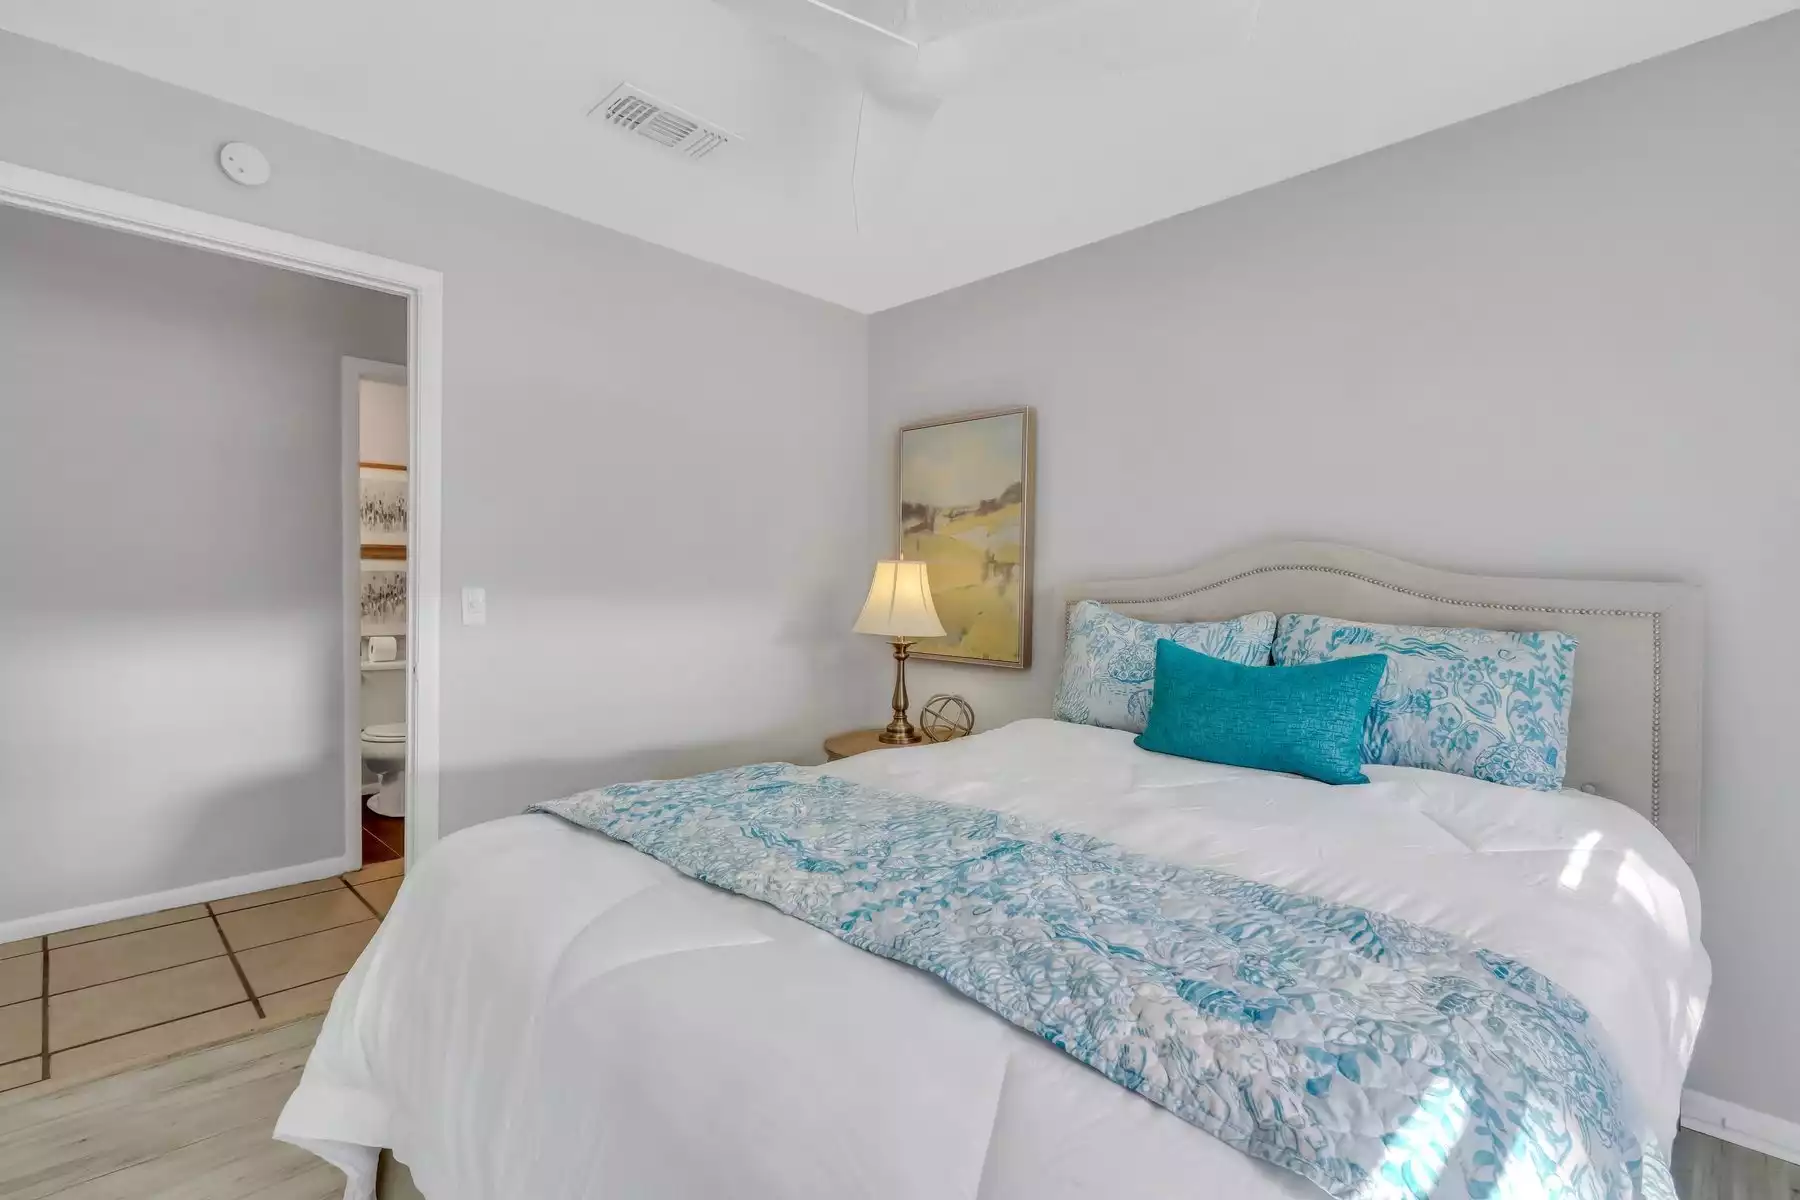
550,1015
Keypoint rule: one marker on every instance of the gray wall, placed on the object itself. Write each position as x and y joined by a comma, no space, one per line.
647,459
1557,339
1561,339
171,609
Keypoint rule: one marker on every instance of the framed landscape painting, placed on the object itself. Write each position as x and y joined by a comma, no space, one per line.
965,510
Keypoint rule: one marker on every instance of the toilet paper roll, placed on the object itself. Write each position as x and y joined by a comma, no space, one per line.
383,649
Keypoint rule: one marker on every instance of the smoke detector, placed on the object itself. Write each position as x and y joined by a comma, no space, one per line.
244,164
633,109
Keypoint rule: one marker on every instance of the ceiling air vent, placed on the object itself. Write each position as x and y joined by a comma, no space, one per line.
631,108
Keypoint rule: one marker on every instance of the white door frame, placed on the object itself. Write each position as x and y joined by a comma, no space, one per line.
351,375
40,191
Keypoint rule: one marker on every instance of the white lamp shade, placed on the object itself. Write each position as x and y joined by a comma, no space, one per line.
899,603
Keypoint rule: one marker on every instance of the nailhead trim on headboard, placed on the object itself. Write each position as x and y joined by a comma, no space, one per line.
1655,619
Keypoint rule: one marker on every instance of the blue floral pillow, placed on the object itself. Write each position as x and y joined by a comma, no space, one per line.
1475,702
1109,664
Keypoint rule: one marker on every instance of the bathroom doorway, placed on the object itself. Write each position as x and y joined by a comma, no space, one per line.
377,454
168,380
48,909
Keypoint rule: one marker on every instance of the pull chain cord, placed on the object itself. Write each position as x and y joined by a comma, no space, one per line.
908,28
856,157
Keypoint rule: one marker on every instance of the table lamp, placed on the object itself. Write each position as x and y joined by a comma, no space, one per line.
899,607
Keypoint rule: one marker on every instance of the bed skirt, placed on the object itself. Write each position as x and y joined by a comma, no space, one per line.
393,1181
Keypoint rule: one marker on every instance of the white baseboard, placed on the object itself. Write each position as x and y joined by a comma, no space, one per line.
195,893
1742,1126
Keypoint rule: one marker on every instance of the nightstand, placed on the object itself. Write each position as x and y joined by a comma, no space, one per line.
857,741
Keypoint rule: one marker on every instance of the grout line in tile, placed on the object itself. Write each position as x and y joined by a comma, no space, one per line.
266,903
363,898
247,908
243,979
109,937
28,1083
305,982
158,1025
294,936
296,987
44,1012
227,943
121,979
396,851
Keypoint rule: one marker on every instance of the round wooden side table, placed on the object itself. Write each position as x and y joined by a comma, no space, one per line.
856,741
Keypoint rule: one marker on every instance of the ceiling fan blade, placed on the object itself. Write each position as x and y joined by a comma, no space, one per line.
838,35
909,67
890,137
918,52
1074,40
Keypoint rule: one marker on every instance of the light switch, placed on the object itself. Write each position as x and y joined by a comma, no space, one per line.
474,606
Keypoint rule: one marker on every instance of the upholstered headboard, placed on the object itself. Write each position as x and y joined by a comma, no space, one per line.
1634,733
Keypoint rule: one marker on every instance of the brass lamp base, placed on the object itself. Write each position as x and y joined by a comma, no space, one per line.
906,736
900,731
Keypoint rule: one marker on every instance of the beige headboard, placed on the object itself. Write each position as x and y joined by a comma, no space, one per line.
1634,733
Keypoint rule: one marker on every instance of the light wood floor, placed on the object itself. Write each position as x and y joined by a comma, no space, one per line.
1708,1169
197,1128
189,1128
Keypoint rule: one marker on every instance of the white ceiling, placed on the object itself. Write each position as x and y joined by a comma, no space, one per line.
1008,173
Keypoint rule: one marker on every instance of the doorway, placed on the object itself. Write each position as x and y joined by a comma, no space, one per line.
422,290
377,452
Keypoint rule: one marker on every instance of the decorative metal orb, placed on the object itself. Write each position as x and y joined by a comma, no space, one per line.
946,717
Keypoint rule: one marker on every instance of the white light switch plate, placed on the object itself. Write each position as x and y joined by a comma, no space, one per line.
474,606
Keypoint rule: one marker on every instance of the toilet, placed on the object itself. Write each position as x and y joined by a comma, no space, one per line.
384,753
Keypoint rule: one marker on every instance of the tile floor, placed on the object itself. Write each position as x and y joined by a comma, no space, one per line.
383,837
89,1001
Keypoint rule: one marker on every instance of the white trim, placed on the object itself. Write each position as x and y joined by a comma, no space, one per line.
353,372
23,187
424,557
92,204
1741,1126
193,893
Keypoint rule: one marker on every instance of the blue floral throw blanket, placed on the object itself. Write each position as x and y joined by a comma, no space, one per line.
1374,1057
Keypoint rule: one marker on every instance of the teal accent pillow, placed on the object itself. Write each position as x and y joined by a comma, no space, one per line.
1301,720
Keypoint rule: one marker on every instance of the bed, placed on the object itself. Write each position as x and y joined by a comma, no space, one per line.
548,1013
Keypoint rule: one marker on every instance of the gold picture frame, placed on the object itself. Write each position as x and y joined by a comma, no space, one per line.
965,504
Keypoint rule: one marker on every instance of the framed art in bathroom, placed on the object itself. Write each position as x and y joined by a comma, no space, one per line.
382,598
381,508
965,485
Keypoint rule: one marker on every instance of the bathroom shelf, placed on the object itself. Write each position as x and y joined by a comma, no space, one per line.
398,664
